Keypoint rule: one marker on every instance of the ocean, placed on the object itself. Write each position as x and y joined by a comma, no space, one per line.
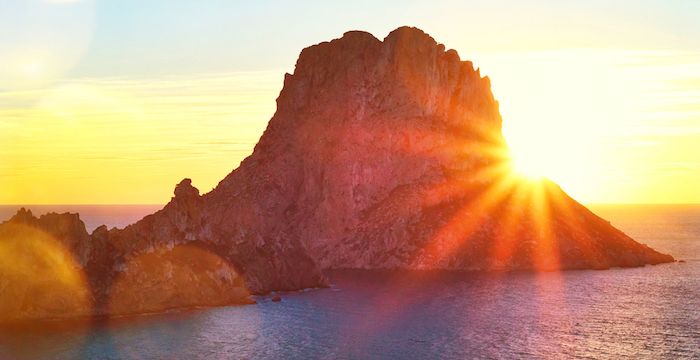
650,312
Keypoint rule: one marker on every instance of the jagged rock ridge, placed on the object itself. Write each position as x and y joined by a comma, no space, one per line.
382,154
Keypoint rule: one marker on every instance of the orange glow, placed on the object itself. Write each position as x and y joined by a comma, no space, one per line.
459,228
183,276
512,205
44,278
546,257
504,241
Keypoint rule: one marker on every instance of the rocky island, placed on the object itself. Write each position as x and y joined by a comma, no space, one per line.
381,155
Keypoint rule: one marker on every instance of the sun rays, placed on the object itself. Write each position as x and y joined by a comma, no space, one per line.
485,206
503,209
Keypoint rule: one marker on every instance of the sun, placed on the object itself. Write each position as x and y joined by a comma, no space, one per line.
553,153
541,152
529,166
531,157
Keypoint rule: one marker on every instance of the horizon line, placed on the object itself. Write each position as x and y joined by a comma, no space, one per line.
163,204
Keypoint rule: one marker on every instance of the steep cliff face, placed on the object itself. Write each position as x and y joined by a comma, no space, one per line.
390,154
358,119
382,154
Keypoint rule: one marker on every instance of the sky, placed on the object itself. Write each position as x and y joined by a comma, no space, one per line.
115,101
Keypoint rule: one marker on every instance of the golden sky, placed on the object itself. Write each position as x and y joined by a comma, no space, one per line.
129,141
100,104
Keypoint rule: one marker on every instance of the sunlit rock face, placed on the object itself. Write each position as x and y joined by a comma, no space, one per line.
170,278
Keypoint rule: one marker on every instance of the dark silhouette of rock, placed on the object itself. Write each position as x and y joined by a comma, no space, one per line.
381,154
276,298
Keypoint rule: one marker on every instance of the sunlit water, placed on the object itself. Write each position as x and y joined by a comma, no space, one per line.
650,312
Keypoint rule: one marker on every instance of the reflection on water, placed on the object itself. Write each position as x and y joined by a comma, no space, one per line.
651,312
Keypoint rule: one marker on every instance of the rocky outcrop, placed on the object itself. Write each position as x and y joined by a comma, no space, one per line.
51,268
382,154
185,255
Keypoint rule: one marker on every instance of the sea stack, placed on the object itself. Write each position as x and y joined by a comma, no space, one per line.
389,154
381,154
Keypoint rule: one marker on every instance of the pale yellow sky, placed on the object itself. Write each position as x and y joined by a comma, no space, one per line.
129,141
608,125
100,103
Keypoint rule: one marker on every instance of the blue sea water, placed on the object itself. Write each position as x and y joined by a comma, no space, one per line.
651,312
